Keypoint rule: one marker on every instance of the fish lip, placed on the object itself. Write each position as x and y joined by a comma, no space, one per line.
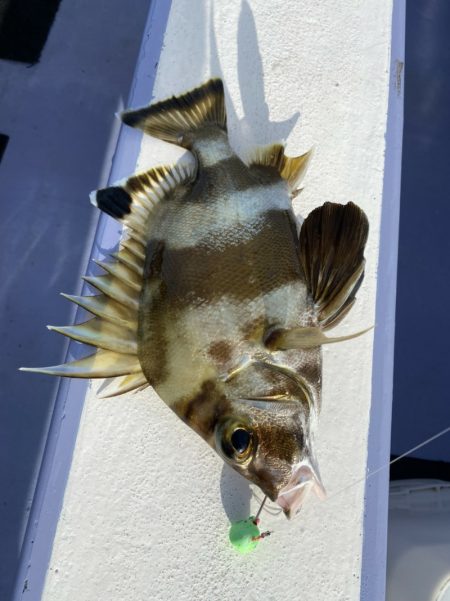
304,480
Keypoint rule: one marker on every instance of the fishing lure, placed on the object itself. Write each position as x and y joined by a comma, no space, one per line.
216,301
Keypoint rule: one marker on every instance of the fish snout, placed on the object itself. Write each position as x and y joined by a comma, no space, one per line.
304,480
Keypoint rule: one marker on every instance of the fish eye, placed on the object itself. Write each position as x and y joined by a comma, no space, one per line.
236,440
240,440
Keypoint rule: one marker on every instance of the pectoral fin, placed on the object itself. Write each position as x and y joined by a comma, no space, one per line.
331,251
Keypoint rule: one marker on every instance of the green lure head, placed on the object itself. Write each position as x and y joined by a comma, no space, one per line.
245,535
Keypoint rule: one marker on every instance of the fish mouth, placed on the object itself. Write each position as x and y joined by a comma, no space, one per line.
304,480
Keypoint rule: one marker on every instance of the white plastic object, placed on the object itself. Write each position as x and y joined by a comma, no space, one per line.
418,559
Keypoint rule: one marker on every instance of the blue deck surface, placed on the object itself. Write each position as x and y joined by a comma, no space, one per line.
421,404
59,116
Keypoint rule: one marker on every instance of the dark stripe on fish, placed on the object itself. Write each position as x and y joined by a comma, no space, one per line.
152,319
242,270
204,409
221,351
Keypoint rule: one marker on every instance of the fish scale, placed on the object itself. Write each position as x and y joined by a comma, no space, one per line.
218,300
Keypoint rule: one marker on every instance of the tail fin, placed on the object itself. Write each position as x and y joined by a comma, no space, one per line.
172,119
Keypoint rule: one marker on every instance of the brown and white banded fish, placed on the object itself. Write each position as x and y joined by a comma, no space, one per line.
216,300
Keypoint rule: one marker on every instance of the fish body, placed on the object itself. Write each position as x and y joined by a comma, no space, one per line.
222,269
218,300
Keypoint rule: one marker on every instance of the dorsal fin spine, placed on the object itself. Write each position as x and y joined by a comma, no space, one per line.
123,294
102,334
101,364
134,247
121,385
122,273
126,257
101,306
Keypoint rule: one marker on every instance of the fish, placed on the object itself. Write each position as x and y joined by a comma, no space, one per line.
219,299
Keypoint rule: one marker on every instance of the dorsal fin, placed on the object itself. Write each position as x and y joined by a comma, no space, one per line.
291,169
172,119
331,250
113,330
132,200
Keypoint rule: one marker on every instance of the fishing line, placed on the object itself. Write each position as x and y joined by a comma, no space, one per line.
245,535
273,511
256,520
379,469
268,508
